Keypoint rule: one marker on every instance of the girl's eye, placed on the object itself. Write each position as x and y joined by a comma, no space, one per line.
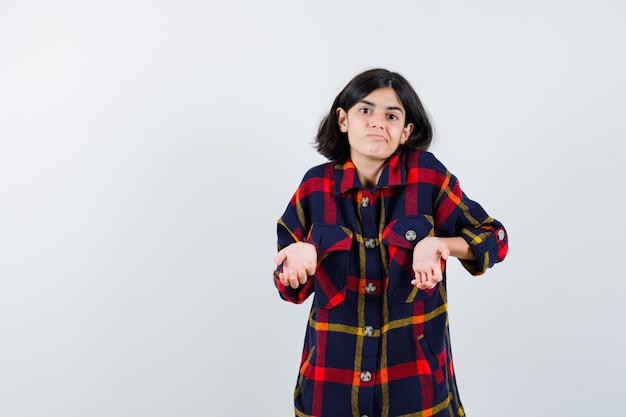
393,117
365,110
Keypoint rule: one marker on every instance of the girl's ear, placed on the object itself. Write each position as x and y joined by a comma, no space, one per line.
406,132
342,119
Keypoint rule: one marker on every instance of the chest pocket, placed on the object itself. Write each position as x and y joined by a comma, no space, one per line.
401,236
333,245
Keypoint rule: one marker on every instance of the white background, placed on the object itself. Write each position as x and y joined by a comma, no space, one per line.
147,149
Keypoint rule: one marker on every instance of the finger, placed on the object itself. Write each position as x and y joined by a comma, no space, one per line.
283,279
433,282
310,269
427,275
430,284
280,258
288,274
294,282
293,278
422,286
437,275
302,275
420,278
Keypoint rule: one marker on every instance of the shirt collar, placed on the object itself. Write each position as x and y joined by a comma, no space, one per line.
394,174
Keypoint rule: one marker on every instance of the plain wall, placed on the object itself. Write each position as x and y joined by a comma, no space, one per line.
147,149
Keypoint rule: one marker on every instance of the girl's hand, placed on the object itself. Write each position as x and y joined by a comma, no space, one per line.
427,256
299,262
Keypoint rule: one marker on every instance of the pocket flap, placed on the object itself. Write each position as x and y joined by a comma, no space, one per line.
405,232
330,237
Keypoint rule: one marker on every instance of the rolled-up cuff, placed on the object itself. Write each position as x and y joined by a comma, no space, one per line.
488,248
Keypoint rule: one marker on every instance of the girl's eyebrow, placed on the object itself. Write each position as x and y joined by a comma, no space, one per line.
369,103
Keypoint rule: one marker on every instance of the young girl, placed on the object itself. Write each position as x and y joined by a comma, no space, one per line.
369,233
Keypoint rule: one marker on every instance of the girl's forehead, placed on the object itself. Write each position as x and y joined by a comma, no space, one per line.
384,97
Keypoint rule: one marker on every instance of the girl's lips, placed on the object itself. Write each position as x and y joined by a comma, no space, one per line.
376,137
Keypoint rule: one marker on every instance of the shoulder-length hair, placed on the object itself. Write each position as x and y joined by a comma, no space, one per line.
333,143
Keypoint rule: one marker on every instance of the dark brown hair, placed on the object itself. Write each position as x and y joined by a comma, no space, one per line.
333,143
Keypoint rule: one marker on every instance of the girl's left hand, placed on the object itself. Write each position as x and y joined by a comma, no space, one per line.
427,256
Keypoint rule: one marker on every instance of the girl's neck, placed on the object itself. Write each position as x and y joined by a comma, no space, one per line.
369,172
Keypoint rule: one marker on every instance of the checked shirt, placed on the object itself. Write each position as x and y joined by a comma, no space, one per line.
375,345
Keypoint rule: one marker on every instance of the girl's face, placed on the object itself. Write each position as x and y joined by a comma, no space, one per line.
375,126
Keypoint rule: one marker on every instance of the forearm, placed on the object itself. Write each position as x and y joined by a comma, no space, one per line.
458,247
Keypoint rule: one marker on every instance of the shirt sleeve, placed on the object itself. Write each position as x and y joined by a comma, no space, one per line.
457,215
291,228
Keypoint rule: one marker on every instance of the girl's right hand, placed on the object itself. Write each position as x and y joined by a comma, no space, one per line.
427,256
299,262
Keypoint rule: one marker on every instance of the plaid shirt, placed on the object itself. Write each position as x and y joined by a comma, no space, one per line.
376,345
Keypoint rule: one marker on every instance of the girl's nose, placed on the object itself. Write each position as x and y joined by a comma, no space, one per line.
376,121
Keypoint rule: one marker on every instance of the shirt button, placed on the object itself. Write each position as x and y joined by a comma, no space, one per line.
368,331
370,243
370,288
410,235
366,376
501,234
365,201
